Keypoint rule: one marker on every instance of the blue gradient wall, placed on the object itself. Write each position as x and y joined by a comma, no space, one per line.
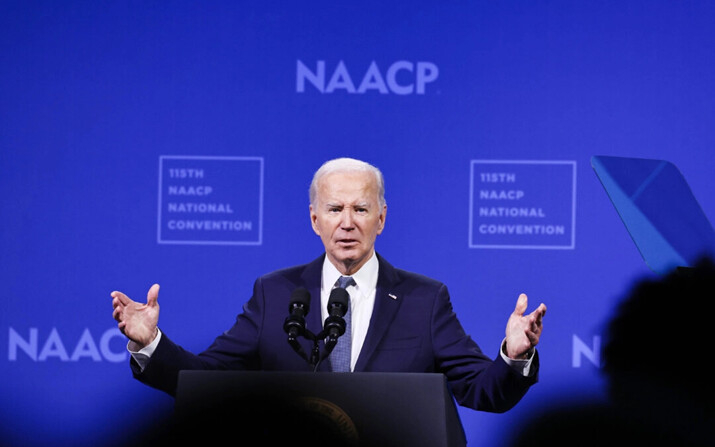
471,110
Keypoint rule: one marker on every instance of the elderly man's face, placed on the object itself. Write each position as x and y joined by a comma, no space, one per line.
348,217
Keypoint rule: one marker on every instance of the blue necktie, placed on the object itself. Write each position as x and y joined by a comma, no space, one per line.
340,357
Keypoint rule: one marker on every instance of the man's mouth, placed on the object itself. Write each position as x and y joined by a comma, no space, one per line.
347,242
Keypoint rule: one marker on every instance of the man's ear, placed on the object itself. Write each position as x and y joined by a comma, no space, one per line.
383,215
314,220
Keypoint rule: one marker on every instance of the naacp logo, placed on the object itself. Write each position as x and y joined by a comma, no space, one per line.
400,77
110,346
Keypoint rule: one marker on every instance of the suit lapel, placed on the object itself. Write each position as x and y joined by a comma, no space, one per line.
310,279
386,306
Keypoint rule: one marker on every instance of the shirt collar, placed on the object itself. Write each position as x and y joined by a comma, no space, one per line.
365,278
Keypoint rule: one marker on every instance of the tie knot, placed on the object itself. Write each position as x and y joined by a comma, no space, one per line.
345,281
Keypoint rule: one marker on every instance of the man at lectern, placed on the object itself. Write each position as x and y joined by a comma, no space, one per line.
394,321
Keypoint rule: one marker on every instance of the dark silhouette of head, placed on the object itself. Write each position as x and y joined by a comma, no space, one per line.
655,357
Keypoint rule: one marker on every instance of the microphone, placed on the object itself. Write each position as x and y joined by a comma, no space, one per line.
298,307
337,308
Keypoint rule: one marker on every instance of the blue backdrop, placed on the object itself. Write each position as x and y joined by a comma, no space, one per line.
174,142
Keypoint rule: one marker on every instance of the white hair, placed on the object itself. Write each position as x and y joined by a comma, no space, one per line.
347,165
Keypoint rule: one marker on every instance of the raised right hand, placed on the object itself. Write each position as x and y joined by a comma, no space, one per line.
136,320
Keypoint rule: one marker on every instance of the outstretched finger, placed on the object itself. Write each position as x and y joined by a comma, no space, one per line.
535,325
117,314
521,303
152,295
123,299
540,312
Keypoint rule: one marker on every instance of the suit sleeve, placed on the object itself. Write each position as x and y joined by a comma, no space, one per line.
476,380
235,349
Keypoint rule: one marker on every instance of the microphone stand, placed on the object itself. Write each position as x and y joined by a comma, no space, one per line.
315,355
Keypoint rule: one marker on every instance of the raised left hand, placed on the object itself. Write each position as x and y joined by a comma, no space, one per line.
523,331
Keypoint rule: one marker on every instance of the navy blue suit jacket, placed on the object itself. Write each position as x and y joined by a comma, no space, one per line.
417,331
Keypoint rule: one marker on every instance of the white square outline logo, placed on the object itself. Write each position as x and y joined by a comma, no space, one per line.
535,162
201,157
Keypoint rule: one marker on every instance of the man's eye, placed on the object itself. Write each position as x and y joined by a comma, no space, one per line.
334,210
361,210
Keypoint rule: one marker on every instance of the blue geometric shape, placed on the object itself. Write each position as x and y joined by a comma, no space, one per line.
659,210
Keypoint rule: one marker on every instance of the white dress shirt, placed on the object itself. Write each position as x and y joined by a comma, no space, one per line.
362,300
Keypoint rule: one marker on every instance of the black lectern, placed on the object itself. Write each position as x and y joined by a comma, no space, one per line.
339,409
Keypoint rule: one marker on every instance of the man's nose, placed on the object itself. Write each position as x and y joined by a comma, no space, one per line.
346,220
